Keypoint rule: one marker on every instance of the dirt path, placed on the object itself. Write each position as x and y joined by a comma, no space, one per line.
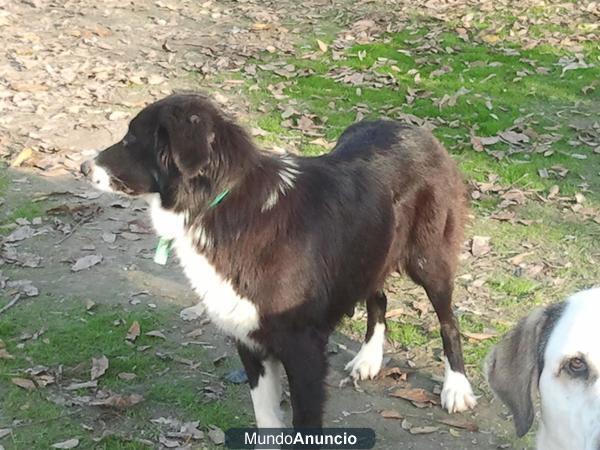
73,73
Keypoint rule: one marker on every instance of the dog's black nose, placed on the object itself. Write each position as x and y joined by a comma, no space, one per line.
86,168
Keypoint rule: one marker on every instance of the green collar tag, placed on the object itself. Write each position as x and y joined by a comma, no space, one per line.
161,255
218,199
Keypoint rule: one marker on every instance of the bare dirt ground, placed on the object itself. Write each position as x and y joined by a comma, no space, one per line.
72,75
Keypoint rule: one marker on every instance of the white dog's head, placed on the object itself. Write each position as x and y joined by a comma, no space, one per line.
555,349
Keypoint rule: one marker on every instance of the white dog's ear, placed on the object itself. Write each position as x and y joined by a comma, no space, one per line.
513,367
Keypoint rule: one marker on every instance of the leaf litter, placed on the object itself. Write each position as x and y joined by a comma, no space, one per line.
99,367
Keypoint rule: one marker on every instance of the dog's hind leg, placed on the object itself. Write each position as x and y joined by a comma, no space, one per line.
367,362
432,270
303,356
264,377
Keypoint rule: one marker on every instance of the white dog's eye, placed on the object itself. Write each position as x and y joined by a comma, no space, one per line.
577,367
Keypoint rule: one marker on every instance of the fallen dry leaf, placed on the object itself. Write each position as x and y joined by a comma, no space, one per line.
216,435
489,140
480,245
118,400
191,429
84,385
512,137
391,414
3,352
85,262
23,156
109,237
322,45
156,333
423,430
394,372
70,443
476,143
168,443
23,286
99,367
21,233
418,395
134,331
396,312
459,422
126,376
479,336
518,259
24,383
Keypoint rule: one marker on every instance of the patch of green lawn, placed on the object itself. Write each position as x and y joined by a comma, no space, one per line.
4,181
520,86
41,422
186,396
407,334
72,336
28,210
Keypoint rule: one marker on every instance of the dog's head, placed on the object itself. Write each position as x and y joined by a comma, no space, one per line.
169,144
556,350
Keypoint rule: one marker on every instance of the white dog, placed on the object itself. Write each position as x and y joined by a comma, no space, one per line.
555,349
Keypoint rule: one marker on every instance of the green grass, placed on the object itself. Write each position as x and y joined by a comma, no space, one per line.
16,209
186,396
487,72
72,337
402,331
27,211
407,334
4,181
42,422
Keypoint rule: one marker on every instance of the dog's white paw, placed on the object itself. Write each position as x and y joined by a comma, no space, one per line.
365,365
192,313
367,362
457,394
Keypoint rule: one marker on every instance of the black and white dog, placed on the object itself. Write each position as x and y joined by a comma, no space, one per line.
280,248
555,349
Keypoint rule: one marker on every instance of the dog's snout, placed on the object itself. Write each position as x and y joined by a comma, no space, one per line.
86,168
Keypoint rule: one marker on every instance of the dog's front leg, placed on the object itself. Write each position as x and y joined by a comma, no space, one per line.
304,360
264,377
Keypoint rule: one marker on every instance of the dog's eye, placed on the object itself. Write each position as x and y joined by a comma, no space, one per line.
128,140
577,367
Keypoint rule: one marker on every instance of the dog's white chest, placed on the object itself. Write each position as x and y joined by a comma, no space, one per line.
234,314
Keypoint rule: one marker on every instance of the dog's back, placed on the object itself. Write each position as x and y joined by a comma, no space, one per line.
429,195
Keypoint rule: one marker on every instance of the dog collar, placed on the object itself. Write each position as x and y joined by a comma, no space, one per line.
161,254
218,199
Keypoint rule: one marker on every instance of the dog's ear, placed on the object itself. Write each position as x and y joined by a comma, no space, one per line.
190,137
513,368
